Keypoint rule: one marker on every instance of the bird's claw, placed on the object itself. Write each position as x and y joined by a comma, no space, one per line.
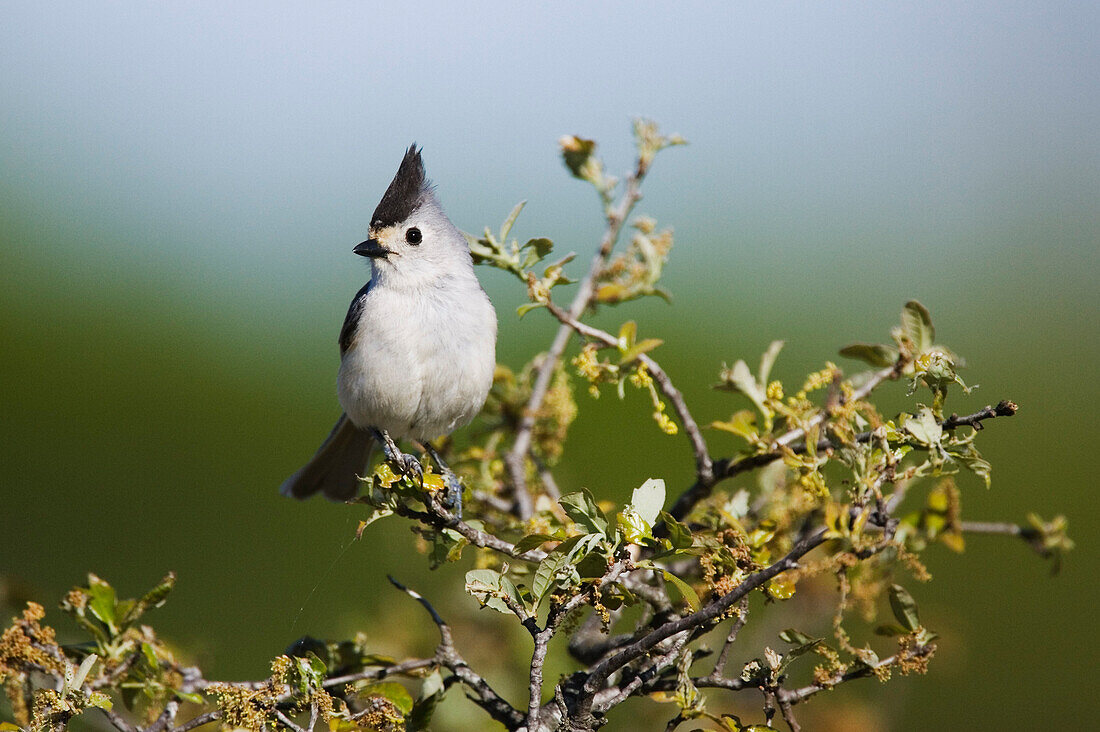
410,467
406,464
453,498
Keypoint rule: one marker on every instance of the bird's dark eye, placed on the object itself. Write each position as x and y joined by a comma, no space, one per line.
413,236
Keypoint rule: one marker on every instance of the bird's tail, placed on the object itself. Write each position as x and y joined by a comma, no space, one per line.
334,470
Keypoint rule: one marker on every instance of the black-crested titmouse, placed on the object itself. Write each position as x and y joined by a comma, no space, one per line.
418,345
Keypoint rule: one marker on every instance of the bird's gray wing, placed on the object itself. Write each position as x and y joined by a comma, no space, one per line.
351,321
334,470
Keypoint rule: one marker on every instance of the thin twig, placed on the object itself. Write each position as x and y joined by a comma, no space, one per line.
1004,408
198,721
726,468
381,672
795,696
166,717
542,638
738,624
646,674
117,721
787,712
534,681
447,656
514,459
991,527
441,518
601,671
704,468
288,722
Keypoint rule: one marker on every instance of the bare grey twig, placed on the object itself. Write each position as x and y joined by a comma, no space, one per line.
597,676
616,217
197,721
447,656
288,722
439,517
703,466
727,646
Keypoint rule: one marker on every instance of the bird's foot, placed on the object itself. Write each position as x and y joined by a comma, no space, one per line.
407,465
452,500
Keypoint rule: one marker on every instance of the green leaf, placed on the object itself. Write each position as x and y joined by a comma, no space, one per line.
742,424
582,509
575,152
154,598
645,346
627,333
432,685
189,696
916,324
924,428
634,527
648,499
740,379
506,227
102,602
686,591
796,637
528,307
81,674
890,629
679,535
150,656
100,700
533,541
904,607
431,693
541,246
447,546
9,727
548,568
871,353
768,360
592,565
485,586
976,464
391,690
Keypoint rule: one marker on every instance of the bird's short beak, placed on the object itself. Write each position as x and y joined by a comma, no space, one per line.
371,248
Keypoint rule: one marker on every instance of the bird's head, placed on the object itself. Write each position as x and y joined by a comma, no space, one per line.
411,239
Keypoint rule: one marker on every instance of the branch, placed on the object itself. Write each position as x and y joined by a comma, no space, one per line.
795,696
785,709
738,624
645,675
1044,544
440,518
448,657
166,717
704,469
380,672
599,674
991,527
726,468
1004,408
117,721
514,459
198,721
288,722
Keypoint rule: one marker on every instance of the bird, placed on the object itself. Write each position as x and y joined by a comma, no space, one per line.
417,348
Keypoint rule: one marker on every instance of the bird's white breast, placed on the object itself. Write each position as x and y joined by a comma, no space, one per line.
422,359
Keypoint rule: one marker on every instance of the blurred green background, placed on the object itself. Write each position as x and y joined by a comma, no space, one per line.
182,184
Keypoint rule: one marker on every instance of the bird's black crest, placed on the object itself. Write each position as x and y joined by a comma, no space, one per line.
405,192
